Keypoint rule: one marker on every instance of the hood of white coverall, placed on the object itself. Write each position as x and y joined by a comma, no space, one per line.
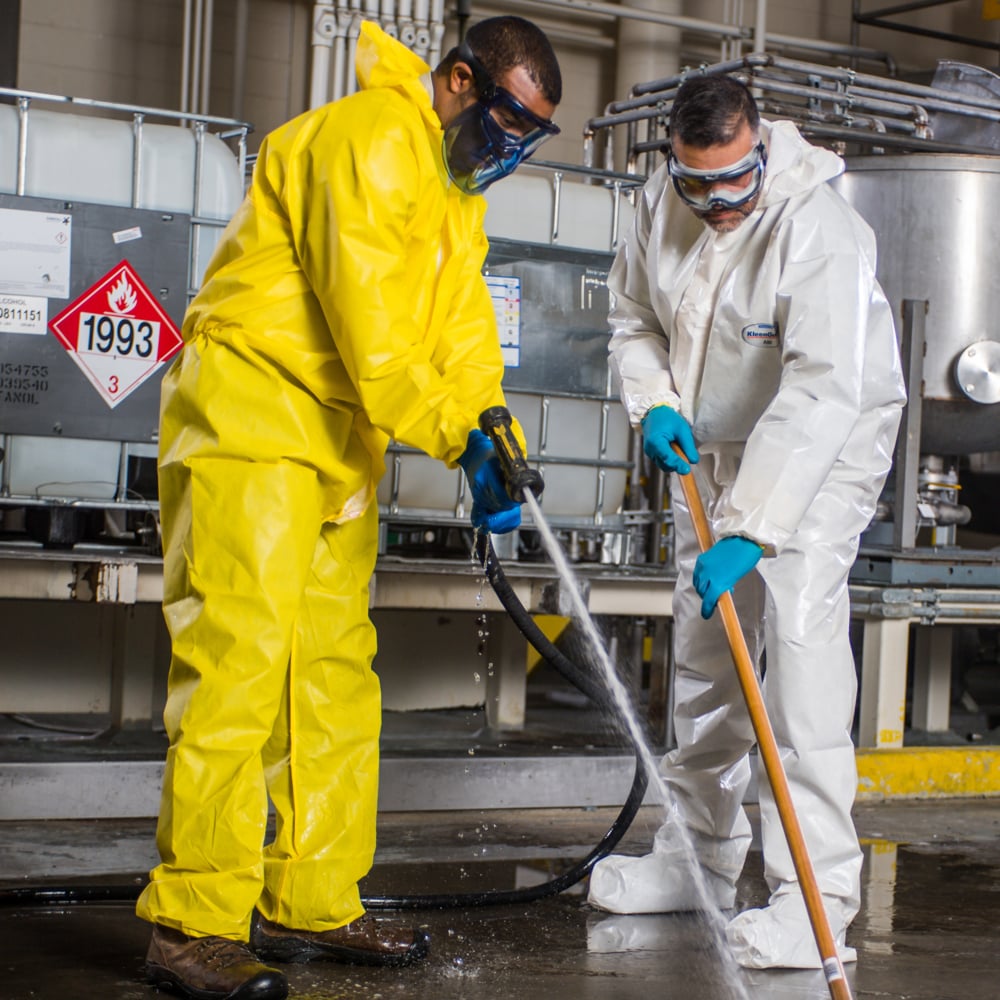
794,166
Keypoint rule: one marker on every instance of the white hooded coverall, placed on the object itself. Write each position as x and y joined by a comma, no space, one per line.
777,345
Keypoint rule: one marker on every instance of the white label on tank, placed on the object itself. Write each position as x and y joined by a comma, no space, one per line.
34,253
23,314
127,235
505,291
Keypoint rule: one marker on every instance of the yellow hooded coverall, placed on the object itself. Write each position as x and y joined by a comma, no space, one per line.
345,305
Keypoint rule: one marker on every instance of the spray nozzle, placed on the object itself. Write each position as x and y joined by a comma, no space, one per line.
496,423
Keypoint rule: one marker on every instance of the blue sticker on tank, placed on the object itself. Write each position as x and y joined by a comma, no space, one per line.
761,334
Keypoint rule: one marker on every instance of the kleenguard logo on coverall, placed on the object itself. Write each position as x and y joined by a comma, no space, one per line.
761,334
117,333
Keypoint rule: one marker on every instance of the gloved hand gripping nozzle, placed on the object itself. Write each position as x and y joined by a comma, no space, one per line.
497,425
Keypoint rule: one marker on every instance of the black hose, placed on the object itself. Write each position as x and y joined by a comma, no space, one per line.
70,895
585,683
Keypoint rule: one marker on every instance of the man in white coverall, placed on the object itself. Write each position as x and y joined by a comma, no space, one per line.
344,305
748,327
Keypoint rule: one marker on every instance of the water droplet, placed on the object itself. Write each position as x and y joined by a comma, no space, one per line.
477,677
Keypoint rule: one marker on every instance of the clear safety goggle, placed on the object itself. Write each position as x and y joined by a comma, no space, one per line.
701,188
514,130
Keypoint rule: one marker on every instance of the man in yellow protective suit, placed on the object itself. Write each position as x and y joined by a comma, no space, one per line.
344,306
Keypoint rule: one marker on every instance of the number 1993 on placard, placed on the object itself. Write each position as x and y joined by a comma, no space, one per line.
120,336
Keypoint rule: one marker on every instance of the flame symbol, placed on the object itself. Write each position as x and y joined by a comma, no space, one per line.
122,298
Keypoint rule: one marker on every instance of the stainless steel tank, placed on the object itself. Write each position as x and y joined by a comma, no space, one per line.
935,217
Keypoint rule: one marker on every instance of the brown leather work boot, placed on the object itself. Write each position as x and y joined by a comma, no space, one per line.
365,941
210,968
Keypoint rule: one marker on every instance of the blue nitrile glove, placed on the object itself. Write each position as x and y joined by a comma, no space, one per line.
722,567
661,427
492,508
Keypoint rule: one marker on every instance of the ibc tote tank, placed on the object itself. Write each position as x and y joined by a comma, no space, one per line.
173,184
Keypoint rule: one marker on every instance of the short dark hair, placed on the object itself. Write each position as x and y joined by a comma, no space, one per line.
501,43
709,111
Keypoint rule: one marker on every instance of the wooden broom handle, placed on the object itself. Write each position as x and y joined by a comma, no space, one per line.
833,968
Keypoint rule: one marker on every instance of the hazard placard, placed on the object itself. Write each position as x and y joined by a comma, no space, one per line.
117,333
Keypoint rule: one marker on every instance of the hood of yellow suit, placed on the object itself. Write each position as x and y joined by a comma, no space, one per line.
382,61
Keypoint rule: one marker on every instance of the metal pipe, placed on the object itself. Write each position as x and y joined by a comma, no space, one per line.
912,29
340,68
850,78
136,158
676,79
206,57
87,102
832,48
437,33
350,82
121,489
23,104
199,162
421,17
407,30
186,57
692,24
194,61
5,466
388,18
905,8
760,27
241,32
324,30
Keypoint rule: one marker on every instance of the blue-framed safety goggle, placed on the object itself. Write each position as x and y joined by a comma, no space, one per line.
700,188
490,138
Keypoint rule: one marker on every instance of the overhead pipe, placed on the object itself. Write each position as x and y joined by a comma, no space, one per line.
728,32
760,27
208,13
437,32
186,56
692,24
350,81
196,57
345,17
323,35
389,23
422,23
407,29
193,68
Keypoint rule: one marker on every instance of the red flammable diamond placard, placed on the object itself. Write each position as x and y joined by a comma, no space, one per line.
117,333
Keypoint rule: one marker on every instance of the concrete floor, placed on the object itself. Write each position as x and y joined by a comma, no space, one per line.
927,929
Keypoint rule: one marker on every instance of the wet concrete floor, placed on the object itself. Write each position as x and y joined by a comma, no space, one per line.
929,928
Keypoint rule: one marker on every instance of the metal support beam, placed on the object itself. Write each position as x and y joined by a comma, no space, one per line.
932,653
907,460
506,691
883,682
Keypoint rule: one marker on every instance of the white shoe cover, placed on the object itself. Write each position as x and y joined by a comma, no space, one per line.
661,882
779,936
